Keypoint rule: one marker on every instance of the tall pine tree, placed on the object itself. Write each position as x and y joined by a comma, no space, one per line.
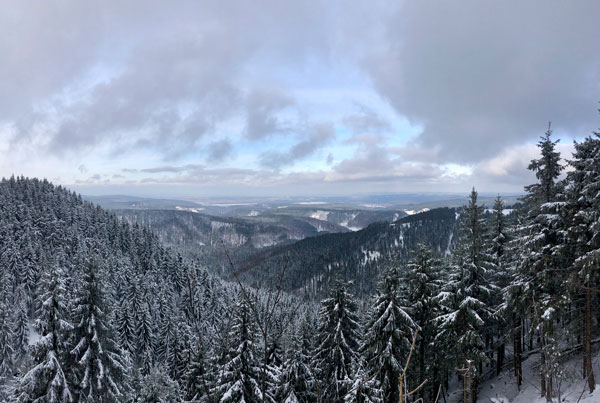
46,381
100,370
542,262
583,197
388,335
338,342
467,301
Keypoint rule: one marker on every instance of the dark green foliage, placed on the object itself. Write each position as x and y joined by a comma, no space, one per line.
239,375
101,366
422,284
297,378
338,340
388,335
47,379
120,317
467,296
314,263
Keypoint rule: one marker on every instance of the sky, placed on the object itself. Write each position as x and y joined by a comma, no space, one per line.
192,99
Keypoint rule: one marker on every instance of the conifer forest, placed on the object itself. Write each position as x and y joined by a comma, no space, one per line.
96,309
299,201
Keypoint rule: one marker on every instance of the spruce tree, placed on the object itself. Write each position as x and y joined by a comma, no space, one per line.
21,325
500,277
515,306
47,381
297,383
99,374
469,290
543,261
125,326
388,334
239,375
338,342
422,284
584,236
197,378
366,387
6,340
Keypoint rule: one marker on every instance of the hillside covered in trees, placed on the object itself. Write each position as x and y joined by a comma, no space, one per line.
95,309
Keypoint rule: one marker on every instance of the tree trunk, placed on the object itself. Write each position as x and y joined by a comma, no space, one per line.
422,366
467,388
474,390
587,358
518,358
542,363
500,357
549,391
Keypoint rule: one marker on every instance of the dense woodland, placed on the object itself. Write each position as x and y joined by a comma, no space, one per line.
93,309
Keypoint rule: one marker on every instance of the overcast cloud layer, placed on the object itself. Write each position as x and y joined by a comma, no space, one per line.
294,97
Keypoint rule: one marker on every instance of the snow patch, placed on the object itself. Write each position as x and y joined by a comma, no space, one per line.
190,209
412,212
320,215
346,223
370,256
33,336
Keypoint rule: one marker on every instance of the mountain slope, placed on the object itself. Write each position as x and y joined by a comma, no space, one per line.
208,238
311,264
50,234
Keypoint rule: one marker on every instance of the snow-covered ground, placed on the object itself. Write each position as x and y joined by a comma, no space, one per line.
503,388
320,215
412,212
190,209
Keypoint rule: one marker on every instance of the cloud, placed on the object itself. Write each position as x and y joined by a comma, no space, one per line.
151,84
261,116
374,162
218,150
171,169
483,76
162,101
509,168
146,75
316,137
366,121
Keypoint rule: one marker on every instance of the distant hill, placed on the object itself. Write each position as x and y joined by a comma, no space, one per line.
311,264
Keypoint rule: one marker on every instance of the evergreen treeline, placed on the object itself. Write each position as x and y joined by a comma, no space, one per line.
313,264
96,310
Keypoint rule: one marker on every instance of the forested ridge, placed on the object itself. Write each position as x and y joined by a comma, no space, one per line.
312,264
94,309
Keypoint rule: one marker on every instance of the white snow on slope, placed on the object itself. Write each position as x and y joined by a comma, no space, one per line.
448,252
190,209
33,336
370,256
503,388
346,223
320,215
411,212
